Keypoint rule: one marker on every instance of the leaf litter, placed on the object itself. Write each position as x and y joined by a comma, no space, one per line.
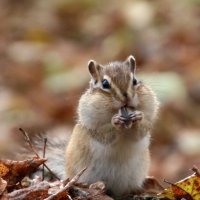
15,183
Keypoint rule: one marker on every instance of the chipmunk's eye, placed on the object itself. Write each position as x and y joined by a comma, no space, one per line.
134,81
105,84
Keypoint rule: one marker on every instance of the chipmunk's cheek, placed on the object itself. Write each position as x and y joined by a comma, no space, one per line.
116,104
134,102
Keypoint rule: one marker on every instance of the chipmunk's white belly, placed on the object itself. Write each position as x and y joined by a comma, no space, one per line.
122,166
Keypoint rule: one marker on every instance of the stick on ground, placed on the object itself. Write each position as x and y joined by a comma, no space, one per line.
44,152
35,151
68,185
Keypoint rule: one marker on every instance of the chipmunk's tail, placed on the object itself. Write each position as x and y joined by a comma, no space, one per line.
54,151
55,154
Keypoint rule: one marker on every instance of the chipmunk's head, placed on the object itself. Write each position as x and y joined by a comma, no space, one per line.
116,81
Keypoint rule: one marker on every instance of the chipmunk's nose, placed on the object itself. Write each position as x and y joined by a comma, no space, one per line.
126,99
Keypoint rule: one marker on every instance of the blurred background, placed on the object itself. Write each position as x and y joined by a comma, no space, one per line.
44,50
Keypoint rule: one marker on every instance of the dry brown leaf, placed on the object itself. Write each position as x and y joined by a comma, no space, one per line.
64,191
14,171
3,185
38,191
61,196
152,186
97,191
98,186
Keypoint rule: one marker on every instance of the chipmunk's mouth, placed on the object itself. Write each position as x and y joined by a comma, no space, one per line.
130,102
128,106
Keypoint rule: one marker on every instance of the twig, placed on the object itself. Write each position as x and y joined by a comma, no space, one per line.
68,185
29,141
35,152
44,151
69,197
167,182
51,172
196,170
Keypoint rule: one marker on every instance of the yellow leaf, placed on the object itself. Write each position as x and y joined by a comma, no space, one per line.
188,188
3,169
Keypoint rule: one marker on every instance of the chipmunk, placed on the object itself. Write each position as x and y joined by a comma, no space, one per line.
112,135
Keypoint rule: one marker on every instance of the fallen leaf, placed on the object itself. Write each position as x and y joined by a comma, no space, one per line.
175,192
3,169
3,185
188,188
152,186
63,192
14,171
38,191
97,191
98,186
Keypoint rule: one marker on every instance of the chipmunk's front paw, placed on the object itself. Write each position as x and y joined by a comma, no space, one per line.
120,122
136,116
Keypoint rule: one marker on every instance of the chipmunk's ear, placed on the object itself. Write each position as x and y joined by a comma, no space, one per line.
94,70
130,61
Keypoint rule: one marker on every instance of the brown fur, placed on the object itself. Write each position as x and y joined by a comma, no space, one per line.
119,73
78,151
